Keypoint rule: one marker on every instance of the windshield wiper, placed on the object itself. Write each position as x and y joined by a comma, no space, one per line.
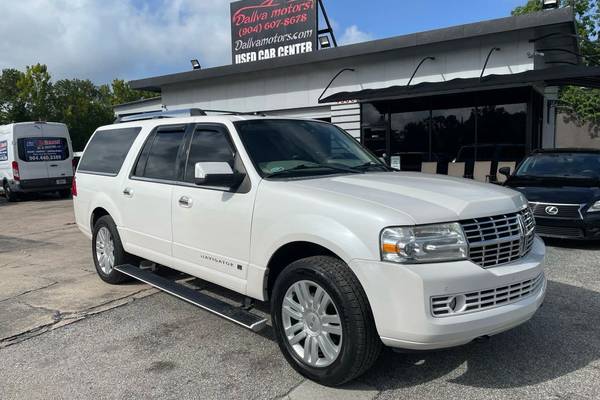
370,164
303,167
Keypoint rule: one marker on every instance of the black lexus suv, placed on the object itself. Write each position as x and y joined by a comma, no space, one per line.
563,188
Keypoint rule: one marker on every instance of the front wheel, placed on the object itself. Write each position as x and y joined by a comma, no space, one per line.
323,321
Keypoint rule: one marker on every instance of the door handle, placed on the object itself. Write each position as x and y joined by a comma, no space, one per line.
185,202
54,165
128,192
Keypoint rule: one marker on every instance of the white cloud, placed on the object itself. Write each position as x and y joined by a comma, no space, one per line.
105,39
128,39
353,34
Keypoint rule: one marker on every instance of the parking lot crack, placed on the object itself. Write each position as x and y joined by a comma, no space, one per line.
65,318
29,291
286,394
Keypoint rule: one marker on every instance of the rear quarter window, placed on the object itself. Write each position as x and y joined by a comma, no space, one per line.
107,150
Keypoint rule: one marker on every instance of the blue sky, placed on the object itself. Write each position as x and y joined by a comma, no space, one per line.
385,18
132,39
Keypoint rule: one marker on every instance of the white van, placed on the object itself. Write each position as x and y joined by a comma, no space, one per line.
35,157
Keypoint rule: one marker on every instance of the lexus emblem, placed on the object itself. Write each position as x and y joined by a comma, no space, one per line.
551,210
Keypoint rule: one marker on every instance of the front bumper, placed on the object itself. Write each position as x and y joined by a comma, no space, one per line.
400,298
587,228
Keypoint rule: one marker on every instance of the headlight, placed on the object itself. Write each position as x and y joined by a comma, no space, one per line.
422,244
595,207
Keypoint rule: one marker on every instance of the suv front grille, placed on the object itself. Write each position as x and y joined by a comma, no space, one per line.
445,306
500,239
567,211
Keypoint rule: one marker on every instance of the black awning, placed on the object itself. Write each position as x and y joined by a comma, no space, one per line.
575,75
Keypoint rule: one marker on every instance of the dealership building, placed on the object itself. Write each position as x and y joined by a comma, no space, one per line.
462,92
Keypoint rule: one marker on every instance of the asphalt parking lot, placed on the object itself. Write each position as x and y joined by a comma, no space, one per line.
66,335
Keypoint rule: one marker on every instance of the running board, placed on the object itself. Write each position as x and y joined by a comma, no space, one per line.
208,303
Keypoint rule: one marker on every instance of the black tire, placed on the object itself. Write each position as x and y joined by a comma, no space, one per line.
64,194
360,345
121,257
11,196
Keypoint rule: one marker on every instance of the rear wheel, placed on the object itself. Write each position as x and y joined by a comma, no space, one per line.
108,252
9,194
323,321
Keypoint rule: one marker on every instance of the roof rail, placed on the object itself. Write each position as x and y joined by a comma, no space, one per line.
189,112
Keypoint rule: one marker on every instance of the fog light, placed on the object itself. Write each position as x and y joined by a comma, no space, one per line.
458,303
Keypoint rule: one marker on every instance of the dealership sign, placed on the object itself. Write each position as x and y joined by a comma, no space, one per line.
268,29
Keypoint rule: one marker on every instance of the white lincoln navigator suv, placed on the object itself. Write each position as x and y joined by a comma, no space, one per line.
349,253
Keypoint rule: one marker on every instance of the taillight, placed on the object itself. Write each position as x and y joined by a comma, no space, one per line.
74,163
74,187
15,169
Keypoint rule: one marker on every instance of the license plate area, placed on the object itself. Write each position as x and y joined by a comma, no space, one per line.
61,181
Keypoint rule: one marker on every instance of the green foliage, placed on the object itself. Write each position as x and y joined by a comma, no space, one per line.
123,93
83,106
35,92
11,107
580,104
531,6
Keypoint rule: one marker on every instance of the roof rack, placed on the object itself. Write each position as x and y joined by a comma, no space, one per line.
188,112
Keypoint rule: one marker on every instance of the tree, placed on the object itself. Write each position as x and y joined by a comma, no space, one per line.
11,108
35,91
582,105
83,107
123,93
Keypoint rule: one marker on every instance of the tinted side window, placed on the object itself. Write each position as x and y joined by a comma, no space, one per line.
208,145
107,150
162,156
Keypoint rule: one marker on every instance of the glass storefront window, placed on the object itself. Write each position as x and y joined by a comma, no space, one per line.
374,129
469,127
409,139
504,128
452,131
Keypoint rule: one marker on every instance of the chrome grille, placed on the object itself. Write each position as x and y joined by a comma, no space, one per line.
500,239
567,211
445,306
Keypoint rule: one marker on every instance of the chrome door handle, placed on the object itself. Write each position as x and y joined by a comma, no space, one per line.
128,192
185,202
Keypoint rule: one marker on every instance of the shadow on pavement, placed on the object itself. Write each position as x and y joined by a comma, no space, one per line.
560,339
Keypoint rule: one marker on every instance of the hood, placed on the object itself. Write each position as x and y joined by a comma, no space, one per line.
559,194
424,198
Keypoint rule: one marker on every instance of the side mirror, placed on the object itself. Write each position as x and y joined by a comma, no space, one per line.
217,174
506,171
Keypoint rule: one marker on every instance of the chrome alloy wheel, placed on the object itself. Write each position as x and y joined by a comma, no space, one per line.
312,324
105,250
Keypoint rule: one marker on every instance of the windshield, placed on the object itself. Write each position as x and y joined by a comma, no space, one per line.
561,165
303,148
